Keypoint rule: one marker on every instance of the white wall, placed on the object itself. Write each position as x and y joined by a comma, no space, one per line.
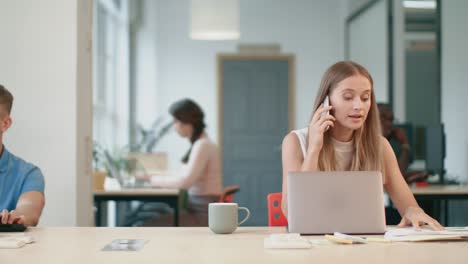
312,30
454,85
38,54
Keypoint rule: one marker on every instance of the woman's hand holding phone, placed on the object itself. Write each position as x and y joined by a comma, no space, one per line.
319,124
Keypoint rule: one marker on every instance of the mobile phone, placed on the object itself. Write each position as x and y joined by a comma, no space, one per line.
326,103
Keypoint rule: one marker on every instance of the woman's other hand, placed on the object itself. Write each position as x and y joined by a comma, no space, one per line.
416,217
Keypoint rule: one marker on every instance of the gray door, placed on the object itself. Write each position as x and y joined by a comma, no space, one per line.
254,122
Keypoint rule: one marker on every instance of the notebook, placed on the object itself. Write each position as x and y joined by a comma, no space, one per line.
411,234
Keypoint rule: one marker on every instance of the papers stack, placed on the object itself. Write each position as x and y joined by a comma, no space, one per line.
426,234
286,241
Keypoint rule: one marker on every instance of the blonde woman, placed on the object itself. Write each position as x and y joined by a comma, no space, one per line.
349,138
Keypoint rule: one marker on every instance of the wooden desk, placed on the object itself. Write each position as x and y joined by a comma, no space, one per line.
443,191
441,194
199,245
169,196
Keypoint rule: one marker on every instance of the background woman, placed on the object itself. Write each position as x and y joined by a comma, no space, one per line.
201,173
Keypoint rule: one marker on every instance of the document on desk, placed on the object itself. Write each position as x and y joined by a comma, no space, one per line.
426,234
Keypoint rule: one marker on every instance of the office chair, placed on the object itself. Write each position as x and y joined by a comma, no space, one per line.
151,210
147,211
275,214
228,194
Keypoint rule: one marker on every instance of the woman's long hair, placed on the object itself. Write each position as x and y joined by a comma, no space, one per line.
367,139
189,112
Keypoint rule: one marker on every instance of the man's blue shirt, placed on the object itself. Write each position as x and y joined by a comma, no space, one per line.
17,177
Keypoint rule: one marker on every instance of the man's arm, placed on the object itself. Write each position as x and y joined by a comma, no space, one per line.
403,160
28,209
404,157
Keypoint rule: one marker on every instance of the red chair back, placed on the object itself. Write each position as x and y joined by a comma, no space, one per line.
275,214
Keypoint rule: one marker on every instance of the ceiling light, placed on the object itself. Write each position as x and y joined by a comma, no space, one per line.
215,20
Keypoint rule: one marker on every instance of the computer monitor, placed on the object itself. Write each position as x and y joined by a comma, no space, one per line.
435,150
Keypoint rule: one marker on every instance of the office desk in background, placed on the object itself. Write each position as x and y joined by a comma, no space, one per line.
441,195
168,196
199,245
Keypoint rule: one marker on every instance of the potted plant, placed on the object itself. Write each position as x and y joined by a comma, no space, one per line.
143,152
123,162
99,172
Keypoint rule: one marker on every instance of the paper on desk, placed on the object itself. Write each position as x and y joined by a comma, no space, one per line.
17,236
11,243
426,234
286,241
14,240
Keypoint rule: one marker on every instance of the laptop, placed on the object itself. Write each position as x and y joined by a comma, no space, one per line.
349,202
125,183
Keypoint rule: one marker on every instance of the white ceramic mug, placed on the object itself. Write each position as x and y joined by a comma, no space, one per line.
223,217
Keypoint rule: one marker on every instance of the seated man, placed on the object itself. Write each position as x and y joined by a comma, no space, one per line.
396,136
399,141
21,183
